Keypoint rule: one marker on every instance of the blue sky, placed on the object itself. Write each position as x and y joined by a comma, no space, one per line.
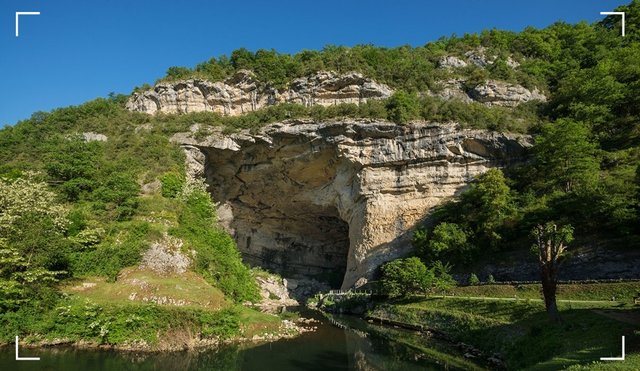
79,50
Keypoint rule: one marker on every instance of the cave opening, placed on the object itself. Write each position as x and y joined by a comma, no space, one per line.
310,244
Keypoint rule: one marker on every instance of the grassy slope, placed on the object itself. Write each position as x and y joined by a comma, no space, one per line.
622,291
188,289
520,330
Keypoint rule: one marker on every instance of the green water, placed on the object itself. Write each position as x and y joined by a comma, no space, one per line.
328,348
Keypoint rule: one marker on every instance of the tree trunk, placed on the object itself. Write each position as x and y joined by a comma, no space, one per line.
549,287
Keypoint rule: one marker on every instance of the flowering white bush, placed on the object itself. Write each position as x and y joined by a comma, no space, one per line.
25,195
192,185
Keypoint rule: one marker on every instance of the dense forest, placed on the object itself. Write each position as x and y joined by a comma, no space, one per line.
72,207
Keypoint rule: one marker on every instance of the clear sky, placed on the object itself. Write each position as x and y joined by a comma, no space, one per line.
77,50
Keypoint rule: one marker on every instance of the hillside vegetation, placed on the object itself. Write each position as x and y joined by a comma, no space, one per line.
73,207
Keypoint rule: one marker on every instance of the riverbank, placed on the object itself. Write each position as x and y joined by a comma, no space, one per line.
510,329
519,332
144,327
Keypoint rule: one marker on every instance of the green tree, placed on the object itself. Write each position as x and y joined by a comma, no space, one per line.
487,205
178,73
550,244
409,276
73,165
404,277
473,279
566,158
403,107
32,245
447,241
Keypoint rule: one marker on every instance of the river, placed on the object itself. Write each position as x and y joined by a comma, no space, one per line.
354,347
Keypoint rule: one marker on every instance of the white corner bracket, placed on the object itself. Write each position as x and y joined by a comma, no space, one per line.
18,14
615,358
616,13
18,358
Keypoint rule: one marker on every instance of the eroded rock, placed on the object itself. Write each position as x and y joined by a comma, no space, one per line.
165,256
243,93
451,61
331,201
498,93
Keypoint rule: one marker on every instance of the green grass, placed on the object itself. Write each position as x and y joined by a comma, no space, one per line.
104,314
135,285
631,362
520,330
622,291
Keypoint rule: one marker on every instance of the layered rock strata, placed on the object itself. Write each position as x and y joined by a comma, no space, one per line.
334,200
243,93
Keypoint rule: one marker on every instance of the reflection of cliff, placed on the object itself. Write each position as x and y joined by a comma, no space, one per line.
362,357
334,200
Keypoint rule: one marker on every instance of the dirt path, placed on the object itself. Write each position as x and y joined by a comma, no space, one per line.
522,299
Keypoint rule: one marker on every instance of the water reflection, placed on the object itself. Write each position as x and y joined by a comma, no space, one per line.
329,348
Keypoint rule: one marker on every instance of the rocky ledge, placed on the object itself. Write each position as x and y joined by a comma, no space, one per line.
334,200
243,93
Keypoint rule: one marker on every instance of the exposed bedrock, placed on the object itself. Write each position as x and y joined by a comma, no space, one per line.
334,200
243,93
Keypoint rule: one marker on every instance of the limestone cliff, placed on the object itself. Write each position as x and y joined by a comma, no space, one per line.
333,200
242,93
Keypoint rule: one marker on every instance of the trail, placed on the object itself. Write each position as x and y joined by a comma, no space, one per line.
524,299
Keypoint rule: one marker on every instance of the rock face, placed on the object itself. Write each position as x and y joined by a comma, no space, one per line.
497,93
451,61
491,93
332,201
242,93
165,256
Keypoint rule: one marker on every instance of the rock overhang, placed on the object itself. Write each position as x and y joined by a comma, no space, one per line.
309,199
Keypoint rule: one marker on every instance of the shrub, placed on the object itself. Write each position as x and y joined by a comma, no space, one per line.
172,184
473,279
217,256
403,107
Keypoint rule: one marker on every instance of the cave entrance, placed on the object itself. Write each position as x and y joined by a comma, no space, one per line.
310,244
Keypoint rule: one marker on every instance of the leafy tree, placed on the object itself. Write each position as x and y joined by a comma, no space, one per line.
32,246
446,241
403,107
118,195
473,279
177,73
73,165
550,244
404,277
566,158
487,205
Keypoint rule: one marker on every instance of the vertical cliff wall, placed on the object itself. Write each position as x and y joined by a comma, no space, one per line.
334,200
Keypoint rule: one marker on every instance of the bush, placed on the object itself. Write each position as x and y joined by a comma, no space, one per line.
447,240
404,277
172,184
217,256
473,279
403,107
